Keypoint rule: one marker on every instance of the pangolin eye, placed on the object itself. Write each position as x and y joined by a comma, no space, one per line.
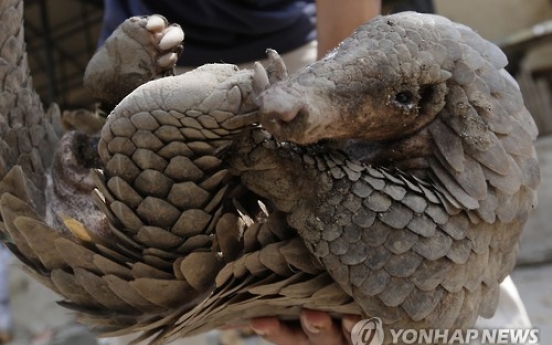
404,98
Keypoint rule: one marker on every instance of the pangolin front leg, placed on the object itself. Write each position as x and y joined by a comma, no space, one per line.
139,50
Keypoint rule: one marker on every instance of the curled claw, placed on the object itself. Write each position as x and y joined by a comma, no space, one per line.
156,23
167,60
172,37
276,69
260,78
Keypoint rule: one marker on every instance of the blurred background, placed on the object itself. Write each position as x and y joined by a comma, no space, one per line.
61,37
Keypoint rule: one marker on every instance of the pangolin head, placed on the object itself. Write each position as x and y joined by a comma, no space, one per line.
387,81
419,93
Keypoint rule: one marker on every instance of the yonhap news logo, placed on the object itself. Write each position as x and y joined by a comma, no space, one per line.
370,332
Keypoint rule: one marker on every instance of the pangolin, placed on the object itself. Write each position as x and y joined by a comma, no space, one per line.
390,179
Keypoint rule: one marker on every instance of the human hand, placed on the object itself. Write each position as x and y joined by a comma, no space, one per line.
317,328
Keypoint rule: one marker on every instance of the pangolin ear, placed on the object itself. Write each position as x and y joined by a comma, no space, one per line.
432,98
432,95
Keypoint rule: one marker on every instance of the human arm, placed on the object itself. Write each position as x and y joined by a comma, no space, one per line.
336,20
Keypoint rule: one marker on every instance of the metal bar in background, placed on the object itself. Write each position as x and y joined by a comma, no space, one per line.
89,43
47,41
69,57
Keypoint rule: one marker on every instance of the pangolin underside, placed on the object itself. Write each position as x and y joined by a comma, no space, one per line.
390,179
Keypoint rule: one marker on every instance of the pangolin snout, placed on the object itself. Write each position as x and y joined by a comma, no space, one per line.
288,125
276,122
281,113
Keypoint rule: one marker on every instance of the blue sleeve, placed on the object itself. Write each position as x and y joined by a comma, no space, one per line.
237,31
232,31
116,12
